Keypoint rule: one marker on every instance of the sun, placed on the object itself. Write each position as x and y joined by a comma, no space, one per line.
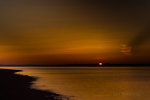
100,63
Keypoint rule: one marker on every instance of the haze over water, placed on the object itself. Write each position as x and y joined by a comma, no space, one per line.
92,83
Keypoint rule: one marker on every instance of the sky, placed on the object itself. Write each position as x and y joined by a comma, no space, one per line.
57,32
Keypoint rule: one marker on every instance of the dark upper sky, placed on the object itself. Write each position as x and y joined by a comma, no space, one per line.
74,31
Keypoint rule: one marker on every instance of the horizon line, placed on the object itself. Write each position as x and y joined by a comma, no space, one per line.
75,65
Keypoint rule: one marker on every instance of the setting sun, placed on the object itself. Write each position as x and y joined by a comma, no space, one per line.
100,63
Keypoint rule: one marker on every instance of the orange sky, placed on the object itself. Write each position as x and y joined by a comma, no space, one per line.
73,32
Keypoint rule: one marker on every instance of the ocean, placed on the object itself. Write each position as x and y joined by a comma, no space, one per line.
92,83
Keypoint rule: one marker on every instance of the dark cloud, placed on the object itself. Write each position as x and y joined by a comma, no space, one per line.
140,39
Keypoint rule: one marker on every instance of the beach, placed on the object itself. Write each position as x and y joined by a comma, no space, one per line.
18,87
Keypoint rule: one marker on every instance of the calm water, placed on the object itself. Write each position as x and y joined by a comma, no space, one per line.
103,83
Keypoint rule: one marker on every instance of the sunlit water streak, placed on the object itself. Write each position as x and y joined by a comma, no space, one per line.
93,83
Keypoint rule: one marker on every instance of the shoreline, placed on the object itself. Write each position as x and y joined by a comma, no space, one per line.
18,87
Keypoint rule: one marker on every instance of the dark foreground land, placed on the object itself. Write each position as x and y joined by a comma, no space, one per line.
17,87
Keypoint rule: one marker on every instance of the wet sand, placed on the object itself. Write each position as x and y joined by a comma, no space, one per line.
17,87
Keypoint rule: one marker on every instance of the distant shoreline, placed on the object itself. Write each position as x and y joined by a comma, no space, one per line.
17,87
84,65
